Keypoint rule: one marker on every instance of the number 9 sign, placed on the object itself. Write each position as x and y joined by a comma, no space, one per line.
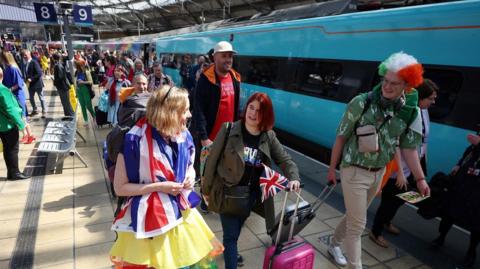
45,13
82,15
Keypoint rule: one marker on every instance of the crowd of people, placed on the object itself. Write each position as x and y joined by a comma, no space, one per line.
159,130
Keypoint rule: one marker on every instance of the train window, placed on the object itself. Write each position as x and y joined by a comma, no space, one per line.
449,83
263,72
170,60
318,78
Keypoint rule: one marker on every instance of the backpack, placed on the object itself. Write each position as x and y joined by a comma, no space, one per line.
130,112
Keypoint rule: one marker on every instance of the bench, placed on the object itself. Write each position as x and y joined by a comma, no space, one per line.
60,138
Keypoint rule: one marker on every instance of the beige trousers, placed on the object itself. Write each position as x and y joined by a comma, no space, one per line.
359,188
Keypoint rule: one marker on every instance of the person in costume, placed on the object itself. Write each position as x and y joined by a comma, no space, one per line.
399,182
158,225
372,127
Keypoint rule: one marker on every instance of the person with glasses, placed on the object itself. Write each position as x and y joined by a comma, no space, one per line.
372,127
158,225
400,181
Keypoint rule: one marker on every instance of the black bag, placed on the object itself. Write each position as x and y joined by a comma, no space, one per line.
438,201
100,117
90,91
236,201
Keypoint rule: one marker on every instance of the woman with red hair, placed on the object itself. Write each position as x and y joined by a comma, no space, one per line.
235,159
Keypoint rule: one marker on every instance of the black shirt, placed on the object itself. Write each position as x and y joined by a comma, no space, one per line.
252,158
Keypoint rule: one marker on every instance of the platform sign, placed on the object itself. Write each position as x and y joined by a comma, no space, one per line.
82,15
45,13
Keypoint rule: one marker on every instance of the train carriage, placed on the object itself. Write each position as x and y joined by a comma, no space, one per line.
312,67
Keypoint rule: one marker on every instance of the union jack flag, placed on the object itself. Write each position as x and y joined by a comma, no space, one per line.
271,182
147,160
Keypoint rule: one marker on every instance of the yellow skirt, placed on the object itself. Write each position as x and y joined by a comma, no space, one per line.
182,246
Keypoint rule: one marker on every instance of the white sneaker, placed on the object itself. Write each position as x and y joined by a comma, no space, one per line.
337,255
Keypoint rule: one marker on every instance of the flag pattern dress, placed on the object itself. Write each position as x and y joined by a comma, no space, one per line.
158,229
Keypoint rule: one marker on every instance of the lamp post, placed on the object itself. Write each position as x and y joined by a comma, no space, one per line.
65,9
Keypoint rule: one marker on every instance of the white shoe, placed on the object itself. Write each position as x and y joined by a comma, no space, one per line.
337,255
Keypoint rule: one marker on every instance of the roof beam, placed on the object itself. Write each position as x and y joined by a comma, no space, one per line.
253,6
197,20
160,11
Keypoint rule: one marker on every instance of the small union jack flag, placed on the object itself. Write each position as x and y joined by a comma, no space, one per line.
271,182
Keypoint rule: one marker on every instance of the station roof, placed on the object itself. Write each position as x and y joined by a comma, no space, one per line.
127,17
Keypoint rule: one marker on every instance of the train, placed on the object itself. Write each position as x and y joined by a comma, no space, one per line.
311,68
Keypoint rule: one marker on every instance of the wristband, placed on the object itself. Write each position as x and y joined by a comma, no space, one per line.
420,179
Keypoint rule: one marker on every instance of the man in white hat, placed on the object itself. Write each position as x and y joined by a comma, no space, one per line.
217,94
216,97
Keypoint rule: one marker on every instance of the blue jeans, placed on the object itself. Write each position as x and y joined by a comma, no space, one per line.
231,226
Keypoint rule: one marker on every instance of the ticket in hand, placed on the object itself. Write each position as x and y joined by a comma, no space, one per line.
412,197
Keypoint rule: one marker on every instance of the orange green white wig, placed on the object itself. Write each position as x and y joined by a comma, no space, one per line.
405,66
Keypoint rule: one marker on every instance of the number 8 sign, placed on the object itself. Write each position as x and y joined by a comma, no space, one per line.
82,15
45,13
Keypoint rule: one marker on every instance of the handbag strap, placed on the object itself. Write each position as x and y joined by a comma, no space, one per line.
229,127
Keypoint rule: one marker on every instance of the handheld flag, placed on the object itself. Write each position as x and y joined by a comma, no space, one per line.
271,182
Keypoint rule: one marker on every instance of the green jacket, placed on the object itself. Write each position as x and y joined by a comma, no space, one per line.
10,111
231,165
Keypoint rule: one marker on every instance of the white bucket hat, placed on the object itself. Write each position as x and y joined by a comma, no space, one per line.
223,46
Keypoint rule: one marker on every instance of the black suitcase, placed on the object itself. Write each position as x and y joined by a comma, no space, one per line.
100,117
305,214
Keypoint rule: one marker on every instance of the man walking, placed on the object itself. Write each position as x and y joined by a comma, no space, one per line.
216,98
372,128
33,77
217,94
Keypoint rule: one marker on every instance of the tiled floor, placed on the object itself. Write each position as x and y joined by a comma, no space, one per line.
76,210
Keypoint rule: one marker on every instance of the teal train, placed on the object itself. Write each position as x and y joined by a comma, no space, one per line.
312,67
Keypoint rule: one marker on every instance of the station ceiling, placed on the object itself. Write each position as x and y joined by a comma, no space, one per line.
129,17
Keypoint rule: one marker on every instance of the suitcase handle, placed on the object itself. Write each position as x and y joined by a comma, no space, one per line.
323,195
281,216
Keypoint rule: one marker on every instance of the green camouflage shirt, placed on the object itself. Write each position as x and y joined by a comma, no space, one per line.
394,132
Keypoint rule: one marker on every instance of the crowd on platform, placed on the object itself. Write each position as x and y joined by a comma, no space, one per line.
159,130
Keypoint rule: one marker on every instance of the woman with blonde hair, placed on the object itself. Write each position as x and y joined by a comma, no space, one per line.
12,79
158,225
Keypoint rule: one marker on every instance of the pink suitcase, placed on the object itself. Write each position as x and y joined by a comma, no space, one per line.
295,253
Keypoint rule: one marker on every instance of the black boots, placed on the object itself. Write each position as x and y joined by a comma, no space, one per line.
17,176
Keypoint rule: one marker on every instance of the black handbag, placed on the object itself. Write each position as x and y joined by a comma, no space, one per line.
236,201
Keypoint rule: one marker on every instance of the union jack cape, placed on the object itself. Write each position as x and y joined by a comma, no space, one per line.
148,159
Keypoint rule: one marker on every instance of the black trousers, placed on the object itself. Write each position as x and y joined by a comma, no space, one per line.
446,223
10,150
389,205
64,98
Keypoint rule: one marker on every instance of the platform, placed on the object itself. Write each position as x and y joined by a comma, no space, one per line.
62,219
